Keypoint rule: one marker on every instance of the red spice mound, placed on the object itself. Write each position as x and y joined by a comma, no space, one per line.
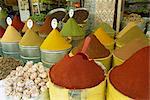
2,31
131,78
17,23
76,72
95,49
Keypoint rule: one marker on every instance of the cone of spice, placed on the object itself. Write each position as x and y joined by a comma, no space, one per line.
46,28
10,41
130,32
107,28
125,52
17,23
131,79
31,38
80,76
95,50
35,27
11,34
104,38
54,46
30,44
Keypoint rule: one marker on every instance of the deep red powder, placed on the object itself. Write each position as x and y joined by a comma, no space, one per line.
95,49
2,31
76,72
132,77
17,23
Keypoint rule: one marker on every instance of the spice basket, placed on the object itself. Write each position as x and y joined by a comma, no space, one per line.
94,93
113,94
34,59
29,51
117,61
10,47
15,55
53,56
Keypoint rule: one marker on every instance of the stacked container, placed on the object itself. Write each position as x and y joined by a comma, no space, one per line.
30,45
54,47
10,41
72,30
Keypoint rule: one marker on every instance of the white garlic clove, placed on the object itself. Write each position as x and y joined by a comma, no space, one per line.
42,84
29,63
43,75
43,88
19,68
37,80
33,76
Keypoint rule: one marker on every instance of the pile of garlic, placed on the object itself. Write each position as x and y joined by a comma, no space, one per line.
26,82
134,18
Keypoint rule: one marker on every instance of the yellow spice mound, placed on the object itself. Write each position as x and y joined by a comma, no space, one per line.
129,26
11,35
103,37
55,41
31,39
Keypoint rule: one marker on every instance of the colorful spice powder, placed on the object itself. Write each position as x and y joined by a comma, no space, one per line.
130,48
103,37
31,39
55,41
2,31
17,23
132,33
46,27
132,77
71,28
129,26
95,49
11,35
107,28
76,72
80,15
35,27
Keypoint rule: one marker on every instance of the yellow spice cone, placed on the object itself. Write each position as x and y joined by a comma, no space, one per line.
126,29
55,41
11,35
104,38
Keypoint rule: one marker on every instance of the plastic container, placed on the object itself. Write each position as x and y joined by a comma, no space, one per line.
117,61
94,93
53,56
10,47
34,59
15,55
30,51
